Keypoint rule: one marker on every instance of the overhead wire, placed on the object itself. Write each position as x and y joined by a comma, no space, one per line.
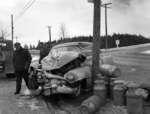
25,8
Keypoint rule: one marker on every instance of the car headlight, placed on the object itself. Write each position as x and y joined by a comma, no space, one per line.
70,78
62,82
39,76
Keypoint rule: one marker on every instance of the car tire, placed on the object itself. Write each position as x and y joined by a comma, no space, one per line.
32,82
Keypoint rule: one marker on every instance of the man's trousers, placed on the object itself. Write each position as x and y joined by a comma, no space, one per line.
19,76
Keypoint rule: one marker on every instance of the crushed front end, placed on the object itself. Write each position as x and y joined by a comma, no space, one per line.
53,81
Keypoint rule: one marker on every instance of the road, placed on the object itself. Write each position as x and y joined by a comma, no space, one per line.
134,63
23,104
18,104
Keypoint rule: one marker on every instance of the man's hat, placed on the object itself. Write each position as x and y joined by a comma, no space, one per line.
17,44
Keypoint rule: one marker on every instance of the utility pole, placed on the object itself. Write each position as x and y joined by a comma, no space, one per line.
96,38
12,30
106,33
49,31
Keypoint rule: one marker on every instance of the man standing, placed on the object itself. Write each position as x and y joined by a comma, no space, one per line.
44,50
21,60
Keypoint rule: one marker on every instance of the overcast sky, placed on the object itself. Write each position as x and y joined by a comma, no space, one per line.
124,16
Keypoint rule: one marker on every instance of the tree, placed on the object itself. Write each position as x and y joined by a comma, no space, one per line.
3,32
63,31
31,46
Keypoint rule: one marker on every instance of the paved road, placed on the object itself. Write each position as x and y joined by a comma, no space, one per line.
133,58
17,104
134,63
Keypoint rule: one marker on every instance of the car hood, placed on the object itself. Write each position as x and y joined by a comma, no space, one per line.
50,63
35,61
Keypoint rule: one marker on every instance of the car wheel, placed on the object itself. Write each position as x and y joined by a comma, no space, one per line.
32,82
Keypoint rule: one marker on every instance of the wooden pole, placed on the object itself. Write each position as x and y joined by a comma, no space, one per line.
12,30
106,33
49,31
106,25
96,39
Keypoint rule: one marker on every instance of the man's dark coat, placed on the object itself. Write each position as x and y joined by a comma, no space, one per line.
21,59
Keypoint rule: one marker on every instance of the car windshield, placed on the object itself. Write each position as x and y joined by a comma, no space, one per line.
56,52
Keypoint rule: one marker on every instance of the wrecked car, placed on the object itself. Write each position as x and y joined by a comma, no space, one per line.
66,70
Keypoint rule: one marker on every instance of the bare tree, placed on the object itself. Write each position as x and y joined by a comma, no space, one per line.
3,32
63,32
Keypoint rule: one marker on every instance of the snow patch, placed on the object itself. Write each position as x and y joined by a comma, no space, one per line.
146,52
27,92
132,69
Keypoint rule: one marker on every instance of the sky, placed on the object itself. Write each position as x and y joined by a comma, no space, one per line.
124,16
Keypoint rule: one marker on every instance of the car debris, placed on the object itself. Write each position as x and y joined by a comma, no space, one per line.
67,70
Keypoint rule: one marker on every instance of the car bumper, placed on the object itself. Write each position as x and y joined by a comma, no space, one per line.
58,90
2,67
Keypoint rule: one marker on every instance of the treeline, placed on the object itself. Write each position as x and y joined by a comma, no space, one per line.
124,40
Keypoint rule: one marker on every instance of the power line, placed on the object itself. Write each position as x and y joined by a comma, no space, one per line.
25,8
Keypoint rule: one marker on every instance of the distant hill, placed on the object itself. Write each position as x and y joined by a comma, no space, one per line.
124,39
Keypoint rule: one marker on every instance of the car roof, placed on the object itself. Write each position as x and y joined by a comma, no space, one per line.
72,44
